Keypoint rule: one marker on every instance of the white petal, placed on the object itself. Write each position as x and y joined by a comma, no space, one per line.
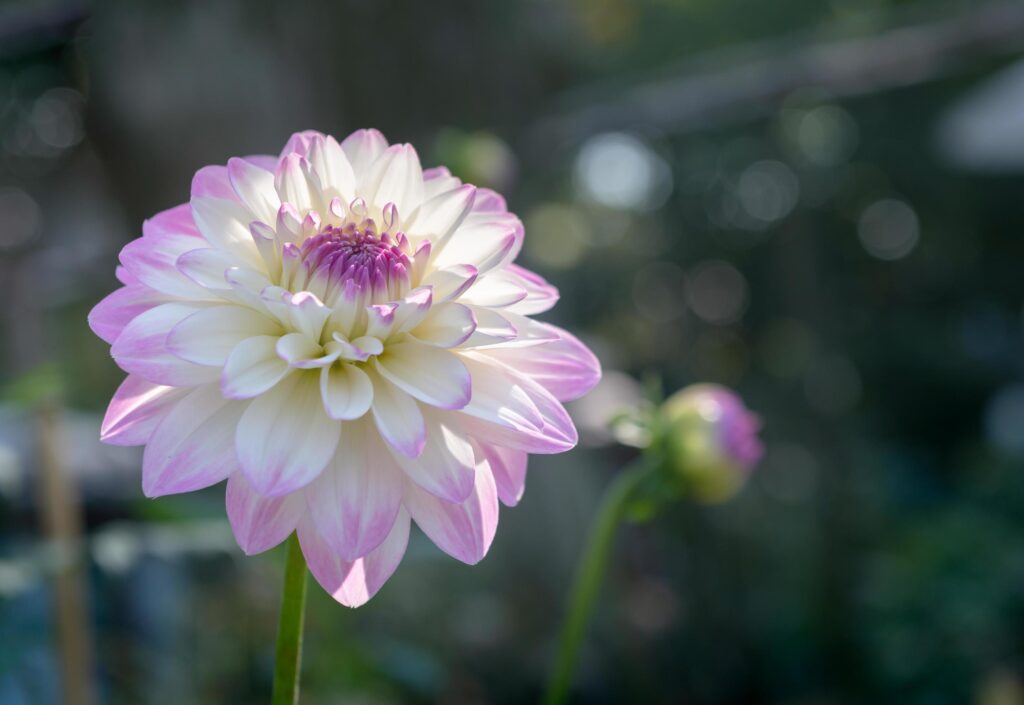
441,215
293,184
362,148
449,283
255,186
333,168
434,376
446,326
396,177
284,438
208,336
346,391
136,409
300,351
252,368
225,225
398,417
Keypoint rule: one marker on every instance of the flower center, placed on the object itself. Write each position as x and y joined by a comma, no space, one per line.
354,258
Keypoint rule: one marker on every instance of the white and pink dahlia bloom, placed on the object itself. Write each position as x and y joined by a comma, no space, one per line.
343,337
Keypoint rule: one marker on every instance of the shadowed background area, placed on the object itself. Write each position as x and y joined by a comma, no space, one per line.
817,203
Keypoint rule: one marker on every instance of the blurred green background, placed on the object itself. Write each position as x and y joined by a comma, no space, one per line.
819,203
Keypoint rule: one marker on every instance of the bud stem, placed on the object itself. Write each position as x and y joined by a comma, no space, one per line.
288,659
589,574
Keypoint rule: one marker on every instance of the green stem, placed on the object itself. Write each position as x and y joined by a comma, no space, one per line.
289,630
589,574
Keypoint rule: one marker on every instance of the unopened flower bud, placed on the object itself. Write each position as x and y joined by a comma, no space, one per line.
710,439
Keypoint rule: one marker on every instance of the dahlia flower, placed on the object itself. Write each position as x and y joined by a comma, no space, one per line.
712,440
344,338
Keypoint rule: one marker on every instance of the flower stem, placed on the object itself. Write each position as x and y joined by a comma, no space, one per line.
589,574
289,630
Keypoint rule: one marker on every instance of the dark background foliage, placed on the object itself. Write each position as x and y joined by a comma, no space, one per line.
819,204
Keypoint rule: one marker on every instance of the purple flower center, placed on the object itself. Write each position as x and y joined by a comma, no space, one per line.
355,259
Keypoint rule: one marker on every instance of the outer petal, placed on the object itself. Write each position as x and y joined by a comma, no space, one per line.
442,215
173,221
509,468
110,316
284,439
260,523
540,296
434,376
355,501
141,348
565,367
225,225
446,468
152,261
463,531
136,409
353,583
191,448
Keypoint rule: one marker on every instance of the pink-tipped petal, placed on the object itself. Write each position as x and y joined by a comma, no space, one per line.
509,469
355,501
110,316
141,348
565,367
352,583
191,447
447,465
254,186
540,296
463,531
136,409
260,523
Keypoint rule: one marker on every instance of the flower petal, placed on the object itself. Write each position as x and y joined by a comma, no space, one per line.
447,465
509,468
225,225
396,177
434,376
446,326
136,409
540,296
398,417
355,501
255,187
209,335
362,148
565,367
141,348
252,368
110,316
352,583
152,261
441,215
284,438
346,391
191,447
449,283
260,523
463,531
333,168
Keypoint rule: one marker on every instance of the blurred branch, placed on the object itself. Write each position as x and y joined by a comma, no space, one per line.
62,526
753,80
